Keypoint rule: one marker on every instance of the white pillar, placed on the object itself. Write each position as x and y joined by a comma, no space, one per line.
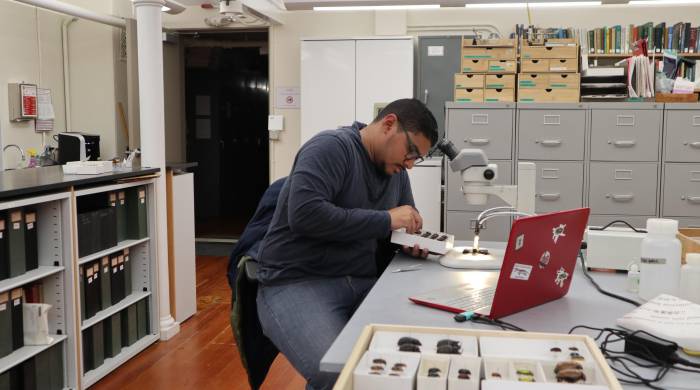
151,96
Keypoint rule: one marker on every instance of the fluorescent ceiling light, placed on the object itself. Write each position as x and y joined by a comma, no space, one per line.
536,5
377,7
663,2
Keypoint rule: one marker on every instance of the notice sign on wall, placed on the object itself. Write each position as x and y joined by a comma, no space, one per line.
287,97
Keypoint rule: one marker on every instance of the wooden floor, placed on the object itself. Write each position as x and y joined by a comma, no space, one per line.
203,355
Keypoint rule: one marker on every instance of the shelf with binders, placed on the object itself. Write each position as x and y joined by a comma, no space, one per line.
625,55
36,240
117,298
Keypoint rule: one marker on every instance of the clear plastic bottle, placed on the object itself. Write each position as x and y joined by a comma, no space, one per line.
660,259
690,278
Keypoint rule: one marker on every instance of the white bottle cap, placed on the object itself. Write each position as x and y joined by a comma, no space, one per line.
692,258
634,268
662,226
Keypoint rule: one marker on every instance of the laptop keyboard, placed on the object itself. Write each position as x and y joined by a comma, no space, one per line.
473,299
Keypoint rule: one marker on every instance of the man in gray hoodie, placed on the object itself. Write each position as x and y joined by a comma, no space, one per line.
347,189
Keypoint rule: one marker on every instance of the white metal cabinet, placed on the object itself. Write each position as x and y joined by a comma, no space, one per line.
327,85
182,267
384,74
341,80
425,185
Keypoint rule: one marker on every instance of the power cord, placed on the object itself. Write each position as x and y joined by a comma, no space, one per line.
642,350
481,319
584,266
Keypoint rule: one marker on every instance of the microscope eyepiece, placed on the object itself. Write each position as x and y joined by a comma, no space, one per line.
448,148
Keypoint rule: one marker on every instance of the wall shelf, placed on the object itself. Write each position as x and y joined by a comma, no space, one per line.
121,246
119,306
27,352
28,277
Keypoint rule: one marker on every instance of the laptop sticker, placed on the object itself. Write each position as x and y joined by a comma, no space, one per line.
558,231
562,275
544,259
521,271
519,242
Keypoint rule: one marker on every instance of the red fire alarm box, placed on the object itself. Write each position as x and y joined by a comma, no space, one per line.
23,104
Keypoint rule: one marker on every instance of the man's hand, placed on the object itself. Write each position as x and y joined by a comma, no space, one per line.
415,251
406,217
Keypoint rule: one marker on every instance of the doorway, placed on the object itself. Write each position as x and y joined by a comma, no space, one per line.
226,100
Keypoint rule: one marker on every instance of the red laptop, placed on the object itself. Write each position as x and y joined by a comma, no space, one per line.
537,268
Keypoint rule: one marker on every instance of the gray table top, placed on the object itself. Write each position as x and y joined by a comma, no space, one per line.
387,303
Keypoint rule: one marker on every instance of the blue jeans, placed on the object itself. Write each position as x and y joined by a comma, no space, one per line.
303,319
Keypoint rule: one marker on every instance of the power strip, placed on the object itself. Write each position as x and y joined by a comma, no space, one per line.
435,242
613,248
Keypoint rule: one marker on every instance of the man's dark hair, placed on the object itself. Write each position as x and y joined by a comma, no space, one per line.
414,116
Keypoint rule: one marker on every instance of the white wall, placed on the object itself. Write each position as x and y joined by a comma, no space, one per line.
39,60
284,40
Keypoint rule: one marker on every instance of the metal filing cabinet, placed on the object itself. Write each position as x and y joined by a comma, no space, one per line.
626,132
551,134
623,188
682,135
486,126
559,186
681,190
687,222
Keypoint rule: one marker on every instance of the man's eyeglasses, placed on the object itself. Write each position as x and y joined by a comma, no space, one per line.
413,152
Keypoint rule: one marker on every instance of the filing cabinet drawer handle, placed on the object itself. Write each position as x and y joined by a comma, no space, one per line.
552,119
480,119
692,199
551,142
621,198
696,120
624,144
695,145
555,196
478,141
625,120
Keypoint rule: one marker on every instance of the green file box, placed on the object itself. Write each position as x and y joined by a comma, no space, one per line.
105,283
113,335
129,326
15,232
5,325
31,250
142,318
136,206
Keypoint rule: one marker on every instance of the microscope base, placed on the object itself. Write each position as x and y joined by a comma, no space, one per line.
456,259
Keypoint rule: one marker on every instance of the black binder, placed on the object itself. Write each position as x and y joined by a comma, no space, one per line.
108,227
98,344
29,374
42,374
127,273
115,285
113,335
4,256
122,277
137,219
5,325
85,234
18,264
129,326
121,216
30,239
16,377
143,321
105,283
92,291
5,380
81,278
96,289
56,371
17,319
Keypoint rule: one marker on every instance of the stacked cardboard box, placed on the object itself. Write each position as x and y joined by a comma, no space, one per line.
549,71
488,71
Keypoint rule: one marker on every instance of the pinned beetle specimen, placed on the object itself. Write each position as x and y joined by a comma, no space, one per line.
571,376
567,366
409,340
